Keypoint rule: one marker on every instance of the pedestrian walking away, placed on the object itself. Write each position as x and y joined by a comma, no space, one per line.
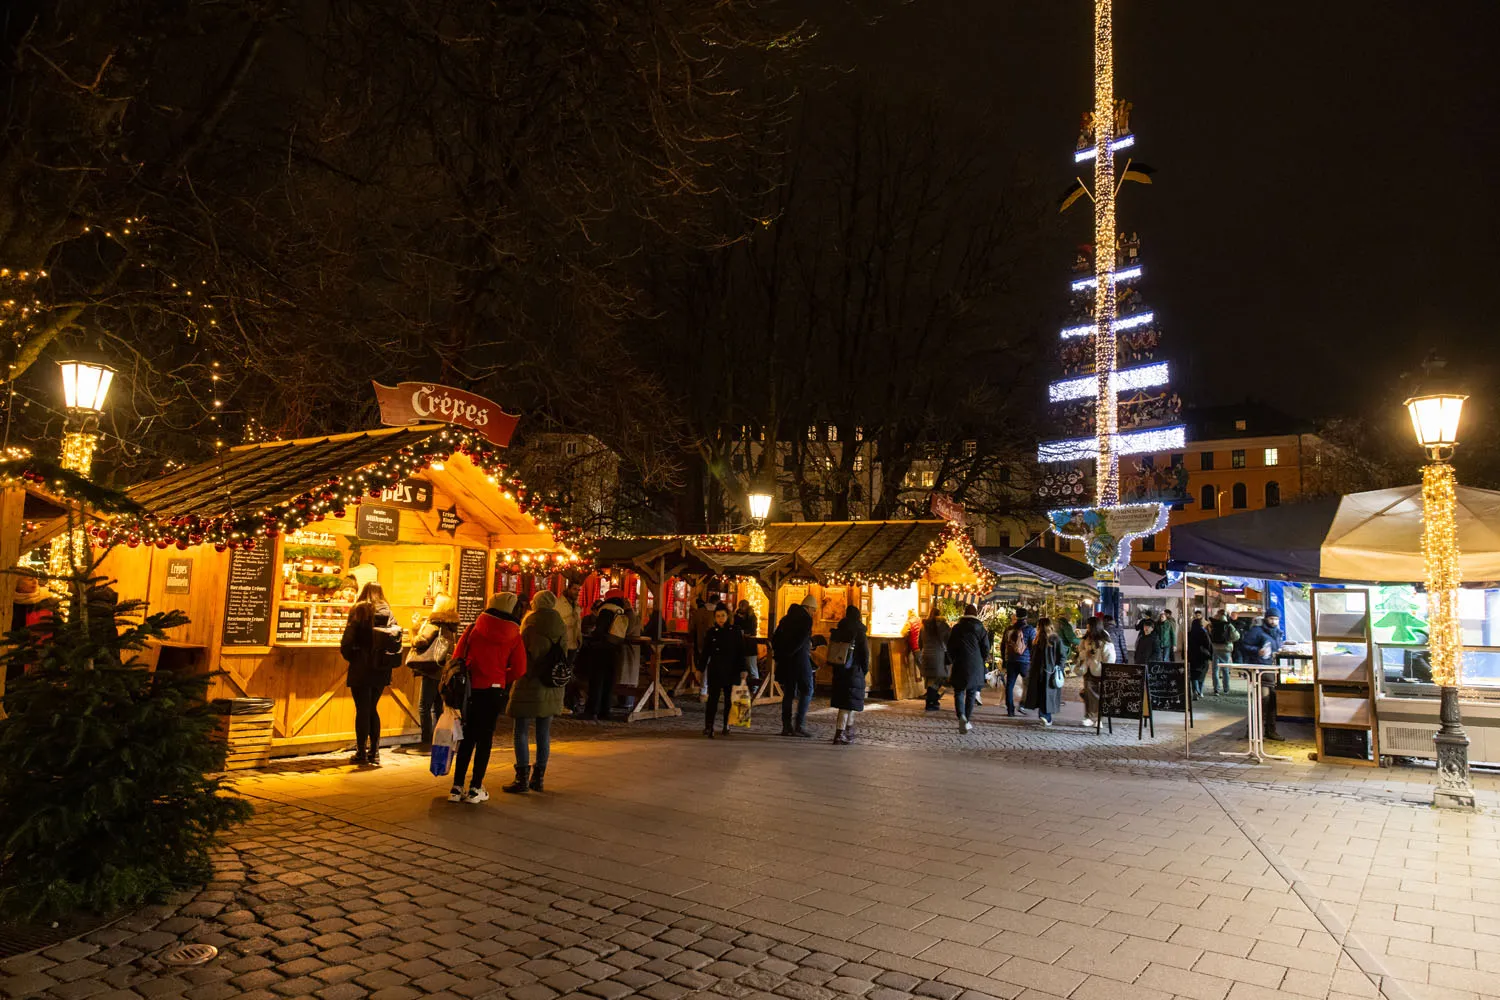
849,659
748,622
1096,649
496,659
1044,684
792,645
534,699
932,643
969,652
722,658
371,645
431,648
1016,650
603,654
1225,638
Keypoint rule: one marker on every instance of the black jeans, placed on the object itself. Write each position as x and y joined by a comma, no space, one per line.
798,692
1013,670
711,703
963,704
366,718
430,708
601,679
934,693
485,706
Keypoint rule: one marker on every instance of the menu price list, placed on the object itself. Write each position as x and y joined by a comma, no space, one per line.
471,598
247,597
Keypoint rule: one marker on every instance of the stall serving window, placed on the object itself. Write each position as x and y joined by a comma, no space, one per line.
1400,628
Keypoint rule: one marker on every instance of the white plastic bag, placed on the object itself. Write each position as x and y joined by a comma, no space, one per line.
445,740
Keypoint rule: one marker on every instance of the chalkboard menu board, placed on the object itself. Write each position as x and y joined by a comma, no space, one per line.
247,597
377,524
291,624
470,590
1167,683
1122,692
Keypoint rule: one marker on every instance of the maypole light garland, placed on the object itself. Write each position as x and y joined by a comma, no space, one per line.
245,531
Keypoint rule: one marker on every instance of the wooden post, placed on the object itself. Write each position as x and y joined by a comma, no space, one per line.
12,512
770,691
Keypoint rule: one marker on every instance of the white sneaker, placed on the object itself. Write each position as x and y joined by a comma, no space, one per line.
968,726
978,698
1088,721
476,796
1047,723
456,794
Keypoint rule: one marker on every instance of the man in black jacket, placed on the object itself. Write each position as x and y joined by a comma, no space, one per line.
792,644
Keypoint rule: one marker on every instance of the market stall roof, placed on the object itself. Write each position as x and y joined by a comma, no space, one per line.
676,556
770,568
881,553
283,480
1371,537
1054,563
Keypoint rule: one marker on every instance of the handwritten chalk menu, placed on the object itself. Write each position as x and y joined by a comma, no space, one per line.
179,576
471,596
1167,684
377,524
291,624
247,598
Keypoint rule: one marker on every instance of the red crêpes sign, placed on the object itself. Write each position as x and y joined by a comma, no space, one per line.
429,403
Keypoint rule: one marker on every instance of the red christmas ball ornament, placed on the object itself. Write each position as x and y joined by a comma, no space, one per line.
248,544
220,546
182,543
133,542
162,543
318,516
195,539
338,512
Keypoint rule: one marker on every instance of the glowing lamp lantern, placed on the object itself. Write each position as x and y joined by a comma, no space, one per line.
760,505
85,385
1435,421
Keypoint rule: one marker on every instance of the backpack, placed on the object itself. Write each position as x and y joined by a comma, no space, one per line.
553,669
454,684
388,652
610,625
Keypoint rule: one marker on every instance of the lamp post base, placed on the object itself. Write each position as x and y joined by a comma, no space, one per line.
1455,790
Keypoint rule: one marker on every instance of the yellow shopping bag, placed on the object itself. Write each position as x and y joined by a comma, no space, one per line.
739,706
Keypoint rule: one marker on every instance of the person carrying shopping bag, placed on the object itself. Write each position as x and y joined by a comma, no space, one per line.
491,648
430,649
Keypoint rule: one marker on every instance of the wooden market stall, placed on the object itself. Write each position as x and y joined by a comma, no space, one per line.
887,568
266,546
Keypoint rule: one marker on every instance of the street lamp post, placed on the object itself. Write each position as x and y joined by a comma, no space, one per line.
1435,418
85,388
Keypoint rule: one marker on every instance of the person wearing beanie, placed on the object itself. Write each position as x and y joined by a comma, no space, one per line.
544,634
792,644
496,657
431,649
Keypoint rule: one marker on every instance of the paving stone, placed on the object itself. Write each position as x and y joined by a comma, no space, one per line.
803,991
939,991
694,980
343,991
608,989
665,991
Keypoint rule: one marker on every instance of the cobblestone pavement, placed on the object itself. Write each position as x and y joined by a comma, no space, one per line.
1016,862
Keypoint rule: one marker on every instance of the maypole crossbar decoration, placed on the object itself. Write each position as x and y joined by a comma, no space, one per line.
1108,410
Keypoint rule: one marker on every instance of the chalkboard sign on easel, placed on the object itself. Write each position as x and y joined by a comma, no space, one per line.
1167,688
1123,695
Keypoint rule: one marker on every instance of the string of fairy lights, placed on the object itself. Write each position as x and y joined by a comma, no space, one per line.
1444,576
952,534
239,529
1106,408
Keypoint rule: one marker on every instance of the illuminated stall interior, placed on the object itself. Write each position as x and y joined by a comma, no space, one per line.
267,545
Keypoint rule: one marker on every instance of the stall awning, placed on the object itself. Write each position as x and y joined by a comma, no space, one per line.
681,558
770,568
1374,536
244,491
881,553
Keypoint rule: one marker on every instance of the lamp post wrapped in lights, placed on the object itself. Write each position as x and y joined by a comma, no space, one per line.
85,388
1435,418
760,509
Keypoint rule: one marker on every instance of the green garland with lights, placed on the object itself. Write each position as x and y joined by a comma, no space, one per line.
334,497
65,484
952,533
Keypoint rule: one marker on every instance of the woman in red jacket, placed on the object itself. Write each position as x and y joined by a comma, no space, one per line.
497,659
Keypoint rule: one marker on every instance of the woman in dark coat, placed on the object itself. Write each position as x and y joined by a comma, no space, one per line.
792,644
544,636
969,654
746,620
932,646
849,658
723,660
1048,654
369,672
1200,654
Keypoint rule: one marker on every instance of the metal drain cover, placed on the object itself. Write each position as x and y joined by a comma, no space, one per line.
189,954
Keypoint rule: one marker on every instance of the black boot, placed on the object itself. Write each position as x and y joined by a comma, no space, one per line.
518,787
536,777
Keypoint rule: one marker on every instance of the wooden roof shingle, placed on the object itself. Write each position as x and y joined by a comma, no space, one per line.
859,549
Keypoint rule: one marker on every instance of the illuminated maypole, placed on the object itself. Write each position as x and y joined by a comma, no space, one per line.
1106,413
1092,352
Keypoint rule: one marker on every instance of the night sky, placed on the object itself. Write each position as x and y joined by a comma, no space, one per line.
1325,195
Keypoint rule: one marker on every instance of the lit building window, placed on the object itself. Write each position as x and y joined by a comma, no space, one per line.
970,448
1273,456
1239,425
1237,458
859,463
929,478
833,433
812,432
1240,497
1273,494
